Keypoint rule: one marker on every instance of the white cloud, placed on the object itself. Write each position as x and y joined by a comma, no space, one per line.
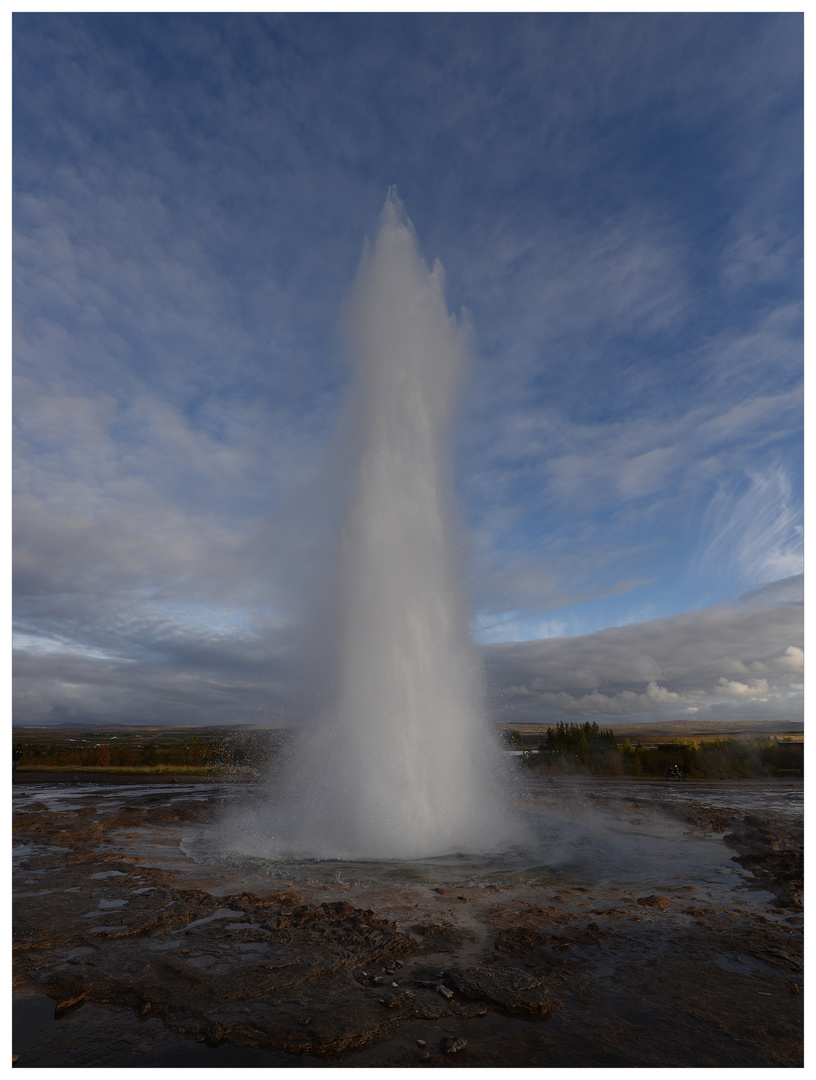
757,688
793,659
701,660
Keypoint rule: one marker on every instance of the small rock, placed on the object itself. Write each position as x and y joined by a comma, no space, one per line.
215,1034
395,984
304,1020
395,1001
452,1046
654,901
444,991
420,1042
501,983
68,1003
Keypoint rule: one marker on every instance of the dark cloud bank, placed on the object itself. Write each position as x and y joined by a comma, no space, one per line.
736,661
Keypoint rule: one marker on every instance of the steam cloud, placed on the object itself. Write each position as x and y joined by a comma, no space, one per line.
405,765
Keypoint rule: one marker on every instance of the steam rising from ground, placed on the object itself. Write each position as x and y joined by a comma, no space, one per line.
404,766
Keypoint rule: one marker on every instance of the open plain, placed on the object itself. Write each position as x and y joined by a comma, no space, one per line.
661,925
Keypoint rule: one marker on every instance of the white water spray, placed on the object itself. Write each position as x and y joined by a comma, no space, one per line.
405,766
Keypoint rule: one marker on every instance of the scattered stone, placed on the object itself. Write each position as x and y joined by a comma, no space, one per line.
304,1020
444,991
452,1046
420,1042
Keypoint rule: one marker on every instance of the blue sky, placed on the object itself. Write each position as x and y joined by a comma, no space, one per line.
616,201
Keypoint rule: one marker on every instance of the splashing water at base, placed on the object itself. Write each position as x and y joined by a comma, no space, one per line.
406,766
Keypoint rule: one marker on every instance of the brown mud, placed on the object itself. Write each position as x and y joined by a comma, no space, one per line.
122,961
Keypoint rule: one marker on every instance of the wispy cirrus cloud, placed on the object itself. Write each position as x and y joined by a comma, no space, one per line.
615,199
757,525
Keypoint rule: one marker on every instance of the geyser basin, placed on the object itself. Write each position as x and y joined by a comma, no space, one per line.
562,839
164,953
404,764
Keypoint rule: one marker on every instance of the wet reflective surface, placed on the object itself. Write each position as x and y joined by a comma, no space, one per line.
144,938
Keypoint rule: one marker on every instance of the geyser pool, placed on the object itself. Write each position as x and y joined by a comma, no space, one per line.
404,764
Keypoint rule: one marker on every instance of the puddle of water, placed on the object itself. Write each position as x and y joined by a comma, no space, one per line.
576,838
783,797
23,852
220,913
112,798
584,844
81,952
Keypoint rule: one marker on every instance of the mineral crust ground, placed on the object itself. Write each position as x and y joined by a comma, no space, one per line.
130,953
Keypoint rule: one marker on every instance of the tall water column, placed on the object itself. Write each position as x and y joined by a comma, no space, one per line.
404,764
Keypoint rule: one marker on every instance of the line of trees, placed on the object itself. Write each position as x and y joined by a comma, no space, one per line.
585,748
250,750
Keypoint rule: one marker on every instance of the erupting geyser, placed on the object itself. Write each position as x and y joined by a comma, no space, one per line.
404,765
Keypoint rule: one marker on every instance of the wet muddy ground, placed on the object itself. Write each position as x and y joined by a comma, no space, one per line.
665,929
